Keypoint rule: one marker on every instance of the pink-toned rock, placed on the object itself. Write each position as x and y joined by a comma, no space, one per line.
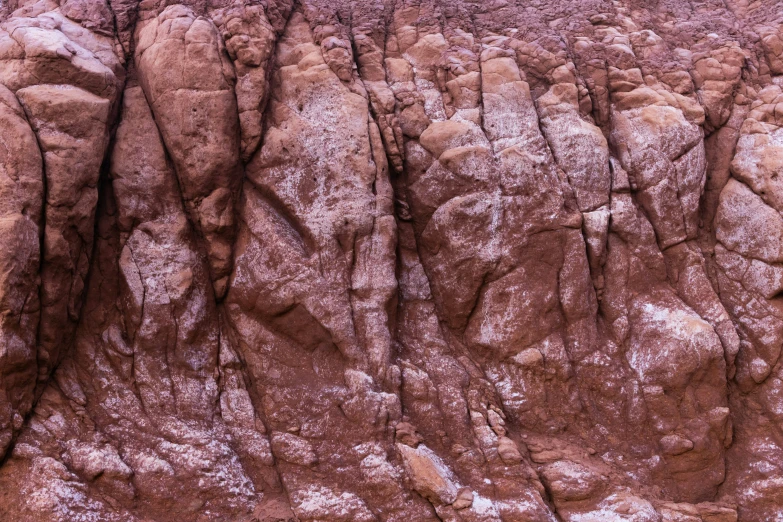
21,201
189,84
391,261
72,127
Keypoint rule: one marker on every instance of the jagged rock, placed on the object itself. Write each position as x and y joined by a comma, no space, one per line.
429,474
569,481
391,261
464,499
675,445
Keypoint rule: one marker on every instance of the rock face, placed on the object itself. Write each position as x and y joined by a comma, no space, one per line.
391,260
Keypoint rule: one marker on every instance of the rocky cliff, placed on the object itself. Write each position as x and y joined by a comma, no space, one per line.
391,260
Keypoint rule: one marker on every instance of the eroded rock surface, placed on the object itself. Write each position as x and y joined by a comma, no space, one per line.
391,260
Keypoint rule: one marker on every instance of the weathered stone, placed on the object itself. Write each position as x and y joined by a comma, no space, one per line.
391,261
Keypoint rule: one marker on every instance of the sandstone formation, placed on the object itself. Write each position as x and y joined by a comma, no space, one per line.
391,260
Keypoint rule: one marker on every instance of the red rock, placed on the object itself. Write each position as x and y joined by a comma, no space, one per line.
391,261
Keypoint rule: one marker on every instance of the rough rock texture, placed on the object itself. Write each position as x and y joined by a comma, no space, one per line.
391,260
